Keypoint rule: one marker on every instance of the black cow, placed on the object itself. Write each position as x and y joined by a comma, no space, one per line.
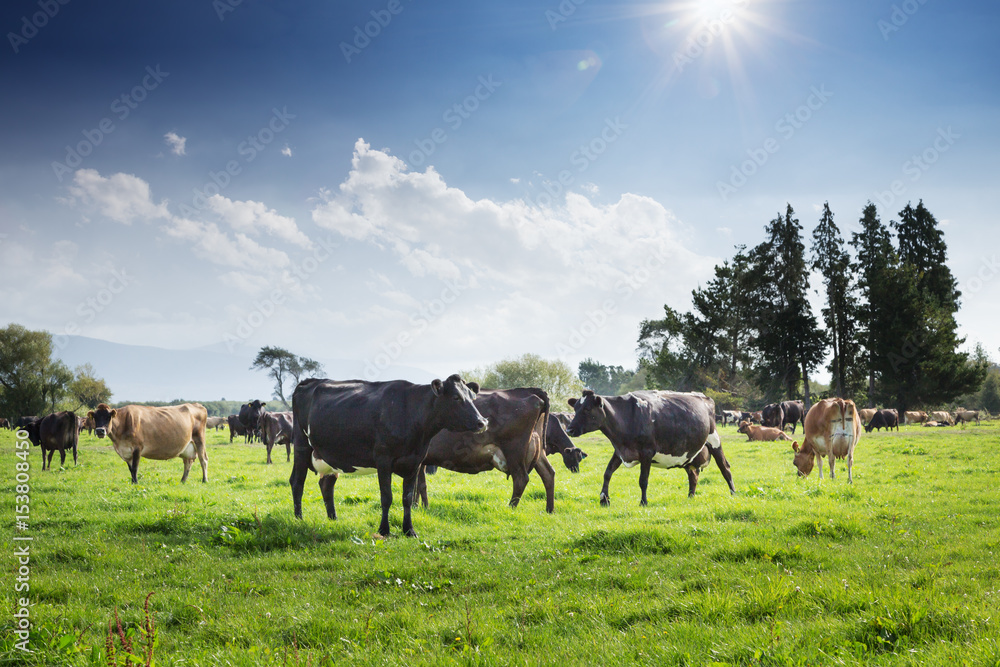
276,429
662,428
249,418
772,415
557,442
883,419
55,431
5,423
235,427
514,443
24,421
780,415
358,427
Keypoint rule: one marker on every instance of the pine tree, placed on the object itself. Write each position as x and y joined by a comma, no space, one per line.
841,312
875,257
790,343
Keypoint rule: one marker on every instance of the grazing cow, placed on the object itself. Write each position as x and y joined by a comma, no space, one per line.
85,424
235,427
943,417
155,433
514,443
276,429
866,414
557,442
357,427
215,422
916,417
762,433
963,416
55,431
832,429
665,429
883,419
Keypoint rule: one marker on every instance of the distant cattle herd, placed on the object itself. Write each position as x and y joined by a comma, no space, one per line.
354,427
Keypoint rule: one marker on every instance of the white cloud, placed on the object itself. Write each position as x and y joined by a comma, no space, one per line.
176,143
212,244
120,197
286,151
252,217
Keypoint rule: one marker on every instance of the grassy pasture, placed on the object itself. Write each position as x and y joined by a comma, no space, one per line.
899,568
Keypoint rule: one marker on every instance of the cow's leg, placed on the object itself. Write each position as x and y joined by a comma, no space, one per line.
74,454
723,463
385,491
613,465
269,446
133,466
409,485
520,477
422,484
850,464
548,476
62,459
288,451
832,460
326,484
297,480
645,465
692,472
47,454
187,468
202,452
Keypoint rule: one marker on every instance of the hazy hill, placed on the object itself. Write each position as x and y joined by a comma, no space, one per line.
142,373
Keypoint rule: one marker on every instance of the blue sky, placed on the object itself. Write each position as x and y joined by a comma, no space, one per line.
466,181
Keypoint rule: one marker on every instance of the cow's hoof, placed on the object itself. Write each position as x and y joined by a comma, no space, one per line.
643,503
411,533
605,501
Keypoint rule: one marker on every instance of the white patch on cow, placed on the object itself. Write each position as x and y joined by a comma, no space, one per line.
499,460
324,468
308,438
668,461
628,464
714,440
188,452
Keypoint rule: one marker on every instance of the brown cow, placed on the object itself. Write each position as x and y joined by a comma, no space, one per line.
942,416
762,433
215,422
963,416
866,414
916,417
155,433
832,429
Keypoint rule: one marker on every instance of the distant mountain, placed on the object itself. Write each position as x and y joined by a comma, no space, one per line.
210,373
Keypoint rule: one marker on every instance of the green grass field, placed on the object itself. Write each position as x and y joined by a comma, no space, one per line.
900,568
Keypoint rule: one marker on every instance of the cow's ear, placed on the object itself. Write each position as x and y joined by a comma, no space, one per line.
474,386
572,402
436,387
90,415
597,401
795,446
113,413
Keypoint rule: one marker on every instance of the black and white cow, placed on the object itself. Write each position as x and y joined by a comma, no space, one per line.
357,427
276,429
665,429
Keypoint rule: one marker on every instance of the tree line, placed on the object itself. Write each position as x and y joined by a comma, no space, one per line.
887,323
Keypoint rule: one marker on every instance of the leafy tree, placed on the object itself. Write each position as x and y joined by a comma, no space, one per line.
789,343
841,312
25,377
989,395
281,365
87,390
555,377
604,380
55,383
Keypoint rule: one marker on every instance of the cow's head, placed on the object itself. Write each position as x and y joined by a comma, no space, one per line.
256,411
454,405
556,440
102,417
744,427
590,415
33,430
804,459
